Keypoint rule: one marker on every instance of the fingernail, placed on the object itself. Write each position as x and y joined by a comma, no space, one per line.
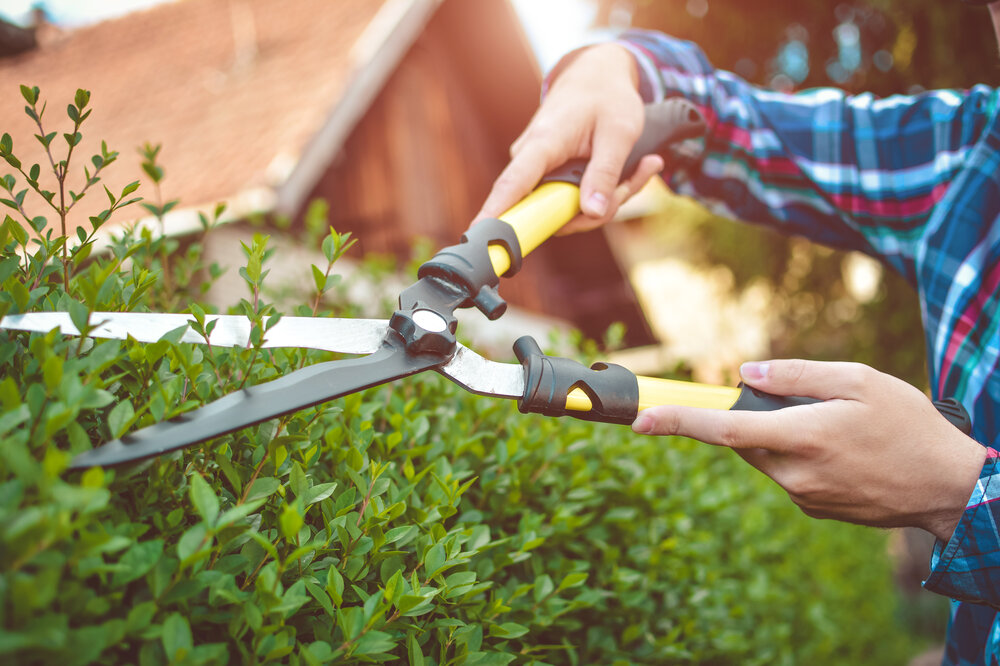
754,371
598,204
643,425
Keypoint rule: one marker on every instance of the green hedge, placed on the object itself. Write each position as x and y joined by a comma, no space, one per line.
413,522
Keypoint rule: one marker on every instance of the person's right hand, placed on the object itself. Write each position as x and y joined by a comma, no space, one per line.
592,110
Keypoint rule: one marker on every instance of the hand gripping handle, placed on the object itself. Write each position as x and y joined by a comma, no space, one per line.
557,200
612,394
755,400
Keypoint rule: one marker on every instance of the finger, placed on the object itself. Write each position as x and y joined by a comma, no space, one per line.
776,431
519,142
611,144
519,178
578,224
812,379
648,166
582,223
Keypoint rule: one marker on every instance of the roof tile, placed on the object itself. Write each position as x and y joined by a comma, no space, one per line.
227,86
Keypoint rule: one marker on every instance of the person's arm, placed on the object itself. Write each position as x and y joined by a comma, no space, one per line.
853,172
848,171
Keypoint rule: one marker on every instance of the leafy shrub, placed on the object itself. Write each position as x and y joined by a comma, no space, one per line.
412,522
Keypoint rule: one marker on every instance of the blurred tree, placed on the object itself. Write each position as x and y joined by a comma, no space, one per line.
881,46
878,46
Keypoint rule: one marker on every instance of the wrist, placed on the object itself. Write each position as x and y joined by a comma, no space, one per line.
958,481
606,63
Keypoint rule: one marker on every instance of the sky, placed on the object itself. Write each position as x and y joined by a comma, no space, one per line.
72,12
553,26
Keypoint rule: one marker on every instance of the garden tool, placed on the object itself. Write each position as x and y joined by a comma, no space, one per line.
420,335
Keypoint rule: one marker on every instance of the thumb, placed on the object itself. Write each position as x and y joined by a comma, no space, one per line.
810,379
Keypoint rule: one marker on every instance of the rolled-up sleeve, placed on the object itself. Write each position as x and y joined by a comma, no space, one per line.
967,567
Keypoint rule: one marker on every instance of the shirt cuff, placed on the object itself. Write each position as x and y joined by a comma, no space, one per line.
967,567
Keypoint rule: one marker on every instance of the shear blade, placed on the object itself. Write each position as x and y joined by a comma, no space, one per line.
346,336
298,390
479,375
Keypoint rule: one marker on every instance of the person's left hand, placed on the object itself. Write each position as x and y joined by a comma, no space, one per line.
875,452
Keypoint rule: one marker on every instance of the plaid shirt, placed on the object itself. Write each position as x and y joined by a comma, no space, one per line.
912,180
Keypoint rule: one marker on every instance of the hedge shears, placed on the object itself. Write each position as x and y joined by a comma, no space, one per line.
420,335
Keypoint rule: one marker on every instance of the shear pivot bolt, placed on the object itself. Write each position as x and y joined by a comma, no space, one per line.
430,321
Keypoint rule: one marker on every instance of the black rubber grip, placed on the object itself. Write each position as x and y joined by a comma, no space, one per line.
666,124
613,390
753,400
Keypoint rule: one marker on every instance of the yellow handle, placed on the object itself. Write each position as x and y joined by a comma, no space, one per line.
653,392
536,217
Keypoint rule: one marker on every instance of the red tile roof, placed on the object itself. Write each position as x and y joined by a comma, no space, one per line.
227,86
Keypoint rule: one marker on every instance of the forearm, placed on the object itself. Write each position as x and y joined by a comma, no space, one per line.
854,172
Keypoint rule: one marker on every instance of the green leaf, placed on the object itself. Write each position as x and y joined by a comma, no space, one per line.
477,658
16,230
319,492
154,172
416,657
204,499
13,418
543,587
52,373
297,480
96,399
403,535
30,94
176,637
140,616
291,522
335,586
240,512
263,487
434,559
129,189
408,602
79,314
373,643
572,580
10,396
509,630
138,561
319,278
120,418
82,98
192,542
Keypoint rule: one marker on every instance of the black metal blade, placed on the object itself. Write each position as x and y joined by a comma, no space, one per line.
298,390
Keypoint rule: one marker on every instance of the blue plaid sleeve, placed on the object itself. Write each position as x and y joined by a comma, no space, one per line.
849,171
967,567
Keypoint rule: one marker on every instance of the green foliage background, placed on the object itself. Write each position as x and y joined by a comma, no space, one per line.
413,523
